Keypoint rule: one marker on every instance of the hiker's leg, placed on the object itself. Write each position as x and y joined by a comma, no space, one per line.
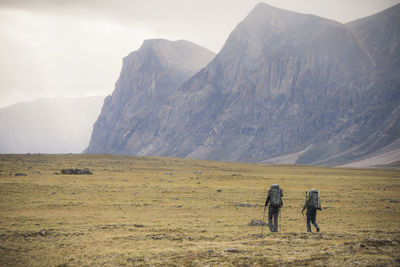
270,214
308,222
276,215
313,220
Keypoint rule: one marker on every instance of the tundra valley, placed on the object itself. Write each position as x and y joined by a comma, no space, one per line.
146,211
185,148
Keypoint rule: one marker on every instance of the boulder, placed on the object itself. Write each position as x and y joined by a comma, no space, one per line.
85,171
257,223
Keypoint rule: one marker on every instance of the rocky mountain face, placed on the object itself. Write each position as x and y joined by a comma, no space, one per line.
147,78
48,125
286,87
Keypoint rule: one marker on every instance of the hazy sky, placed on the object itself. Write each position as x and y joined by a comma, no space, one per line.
75,47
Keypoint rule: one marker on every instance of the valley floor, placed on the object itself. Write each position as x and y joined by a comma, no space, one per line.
148,211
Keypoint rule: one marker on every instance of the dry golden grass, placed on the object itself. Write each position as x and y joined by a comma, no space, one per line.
162,211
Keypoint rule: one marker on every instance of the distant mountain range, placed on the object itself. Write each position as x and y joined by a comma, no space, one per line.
285,88
48,125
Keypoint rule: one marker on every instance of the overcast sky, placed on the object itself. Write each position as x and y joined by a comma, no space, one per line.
75,47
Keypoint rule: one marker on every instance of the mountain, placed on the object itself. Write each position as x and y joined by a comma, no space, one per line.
285,86
48,125
379,36
147,78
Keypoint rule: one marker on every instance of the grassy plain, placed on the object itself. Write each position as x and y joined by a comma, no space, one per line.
150,211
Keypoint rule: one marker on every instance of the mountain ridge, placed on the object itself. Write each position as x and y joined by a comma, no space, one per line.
283,83
148,76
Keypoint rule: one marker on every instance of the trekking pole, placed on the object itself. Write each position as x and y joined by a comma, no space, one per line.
305,219
262,223
280,220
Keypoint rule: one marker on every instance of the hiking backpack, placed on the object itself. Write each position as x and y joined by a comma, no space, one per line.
314,199
275,196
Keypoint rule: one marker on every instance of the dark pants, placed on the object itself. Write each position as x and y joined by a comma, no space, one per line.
311,217
273,212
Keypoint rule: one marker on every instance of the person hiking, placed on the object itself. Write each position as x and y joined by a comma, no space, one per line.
274,199
312,204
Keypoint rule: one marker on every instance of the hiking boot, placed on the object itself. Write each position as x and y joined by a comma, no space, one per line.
318,230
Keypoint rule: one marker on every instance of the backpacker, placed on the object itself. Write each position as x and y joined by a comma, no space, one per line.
314,199
275,196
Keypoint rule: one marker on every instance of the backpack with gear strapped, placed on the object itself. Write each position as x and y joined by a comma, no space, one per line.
314,199
275,196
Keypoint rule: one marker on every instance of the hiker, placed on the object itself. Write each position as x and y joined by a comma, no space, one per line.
312,204
275,199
